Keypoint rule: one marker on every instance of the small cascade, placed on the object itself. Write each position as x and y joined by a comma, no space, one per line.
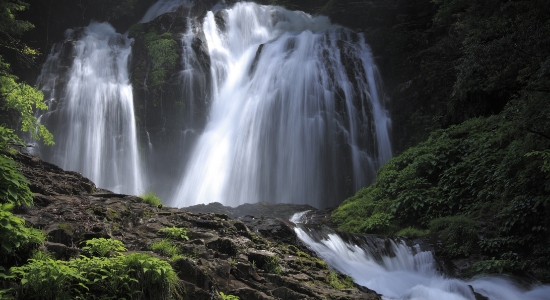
296,104
92,113
398,271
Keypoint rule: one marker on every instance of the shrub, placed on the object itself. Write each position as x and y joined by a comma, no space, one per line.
151,198
14,235
13,185
103,247
272,265
48,279
165,248
176,233
228,297
134,276
458,234
412,232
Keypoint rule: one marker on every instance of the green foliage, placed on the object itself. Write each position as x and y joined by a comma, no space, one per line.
161,51
17,96
48,279
13,185
24,99
228,297
134,276
8,138
509,263
11,28
457,233
480,187
102,247
151,198
339,282
505,50
176,233
14,235
412,232
166,248
272,265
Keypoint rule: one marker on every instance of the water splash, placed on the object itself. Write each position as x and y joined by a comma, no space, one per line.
93,120
296,105
398,271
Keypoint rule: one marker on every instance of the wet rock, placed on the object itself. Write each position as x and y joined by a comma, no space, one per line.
253,258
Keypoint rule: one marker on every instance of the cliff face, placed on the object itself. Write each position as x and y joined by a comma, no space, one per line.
416,57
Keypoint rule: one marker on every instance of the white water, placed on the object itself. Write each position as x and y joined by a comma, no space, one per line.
286,118
94,123
409,273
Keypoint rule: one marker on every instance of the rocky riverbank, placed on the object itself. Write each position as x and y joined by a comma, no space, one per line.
250,252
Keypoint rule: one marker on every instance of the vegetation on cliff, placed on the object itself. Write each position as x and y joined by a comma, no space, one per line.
482,186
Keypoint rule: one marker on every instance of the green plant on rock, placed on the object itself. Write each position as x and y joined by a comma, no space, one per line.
272,265
102,247
152,199
13,185
176,233
14,235
339,282
228,297
49,279
134,276
162,54
166,248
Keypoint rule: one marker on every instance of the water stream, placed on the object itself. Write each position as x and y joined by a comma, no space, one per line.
398,271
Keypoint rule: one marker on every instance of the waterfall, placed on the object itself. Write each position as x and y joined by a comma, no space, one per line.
161,7
397,271
297,113
91,109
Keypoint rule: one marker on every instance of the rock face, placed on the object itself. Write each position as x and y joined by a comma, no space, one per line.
251,257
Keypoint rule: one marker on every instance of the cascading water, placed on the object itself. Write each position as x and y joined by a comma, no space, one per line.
297,115
92,116
398,271
162,7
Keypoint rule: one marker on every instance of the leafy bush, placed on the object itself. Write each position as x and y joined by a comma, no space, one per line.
458,234
481,187
151,198
102,247
176,233
48,279
412,232
165,248
134,276
13,185
14,235
228,297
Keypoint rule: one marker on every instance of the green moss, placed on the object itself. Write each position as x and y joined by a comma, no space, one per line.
339,282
